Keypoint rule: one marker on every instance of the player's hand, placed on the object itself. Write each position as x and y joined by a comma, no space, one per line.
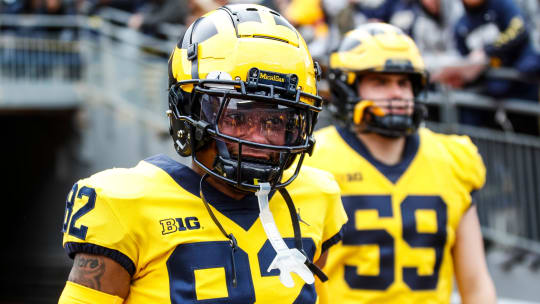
458,76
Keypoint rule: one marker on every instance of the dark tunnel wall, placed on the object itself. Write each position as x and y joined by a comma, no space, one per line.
38,166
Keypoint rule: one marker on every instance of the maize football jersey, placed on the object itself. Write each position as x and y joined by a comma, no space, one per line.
403,218
151,220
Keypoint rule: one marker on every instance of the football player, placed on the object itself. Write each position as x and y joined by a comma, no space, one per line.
242,104
406,190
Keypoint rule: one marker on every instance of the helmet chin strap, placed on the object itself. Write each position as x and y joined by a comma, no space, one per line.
244,170
287,260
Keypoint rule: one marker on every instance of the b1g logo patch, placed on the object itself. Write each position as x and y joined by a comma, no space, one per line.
171,225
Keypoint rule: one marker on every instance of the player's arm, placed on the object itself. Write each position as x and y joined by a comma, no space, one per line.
472,276
96,279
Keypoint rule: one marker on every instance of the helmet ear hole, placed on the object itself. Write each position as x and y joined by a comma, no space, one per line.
179,129
180,132
183,135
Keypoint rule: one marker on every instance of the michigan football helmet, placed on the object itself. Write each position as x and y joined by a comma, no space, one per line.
379,48
243,69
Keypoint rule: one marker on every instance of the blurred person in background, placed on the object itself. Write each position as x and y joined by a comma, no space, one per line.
531,12
431,25
412,224
372,10
312,22
152,13
493,34
52,48
92,7
242,104
197,8
41,7
54,7
11,6
358,12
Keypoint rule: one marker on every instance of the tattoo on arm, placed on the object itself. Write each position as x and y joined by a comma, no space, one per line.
87,271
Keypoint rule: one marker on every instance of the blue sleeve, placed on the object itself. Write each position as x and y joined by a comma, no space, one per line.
511,24
12,7
382,12
390,7
461,31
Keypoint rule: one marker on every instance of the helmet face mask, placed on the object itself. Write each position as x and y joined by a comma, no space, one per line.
377,48
259,106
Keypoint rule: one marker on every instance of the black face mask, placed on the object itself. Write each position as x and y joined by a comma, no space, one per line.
392,125
255,140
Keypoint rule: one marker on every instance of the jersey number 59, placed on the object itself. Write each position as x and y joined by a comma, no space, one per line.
383,205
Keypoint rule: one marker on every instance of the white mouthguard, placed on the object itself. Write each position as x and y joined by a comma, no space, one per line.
286,260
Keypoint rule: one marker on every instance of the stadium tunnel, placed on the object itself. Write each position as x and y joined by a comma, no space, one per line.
38,168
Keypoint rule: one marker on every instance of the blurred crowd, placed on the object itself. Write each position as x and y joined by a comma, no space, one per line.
462,41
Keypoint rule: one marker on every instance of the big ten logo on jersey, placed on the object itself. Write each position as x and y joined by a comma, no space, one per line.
171,225
350,177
